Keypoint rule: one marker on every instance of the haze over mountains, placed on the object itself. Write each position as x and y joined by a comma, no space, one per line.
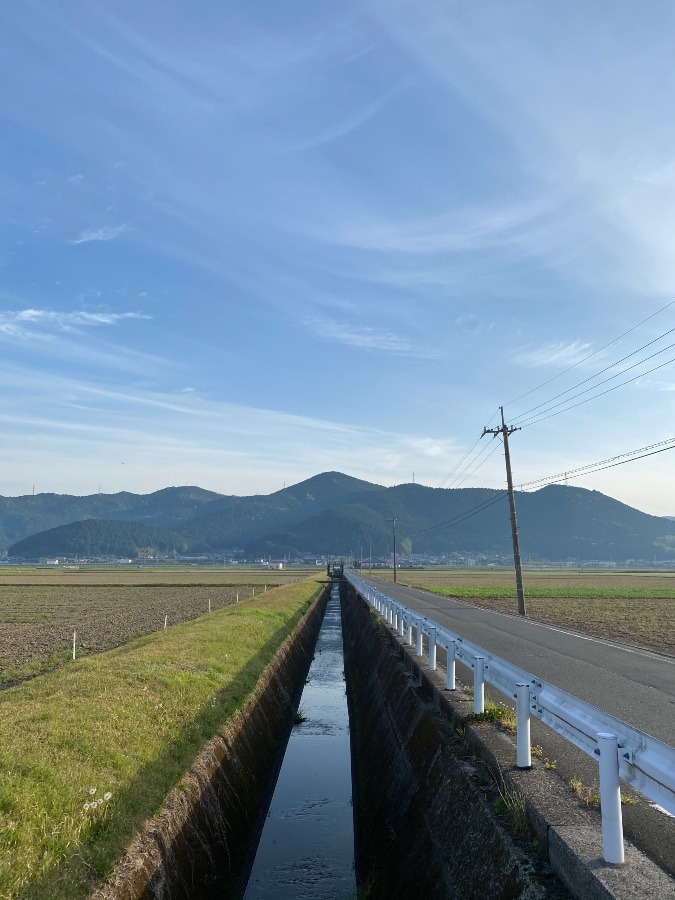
337,514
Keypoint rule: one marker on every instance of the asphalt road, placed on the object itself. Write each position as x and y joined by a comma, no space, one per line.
634,685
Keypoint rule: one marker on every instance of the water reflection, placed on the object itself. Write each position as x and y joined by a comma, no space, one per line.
306,850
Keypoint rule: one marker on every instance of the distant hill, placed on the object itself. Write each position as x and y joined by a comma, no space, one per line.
333,513
99,538
233,521
557,522
32,513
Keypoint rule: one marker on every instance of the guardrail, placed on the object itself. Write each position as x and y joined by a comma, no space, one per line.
623,752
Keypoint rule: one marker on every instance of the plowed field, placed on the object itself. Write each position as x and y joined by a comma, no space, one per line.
38,618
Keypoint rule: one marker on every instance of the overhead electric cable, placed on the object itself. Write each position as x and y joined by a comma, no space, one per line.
628,456
436,500
462,517
590,355
450,474
601,394
602,372
524,422
469,474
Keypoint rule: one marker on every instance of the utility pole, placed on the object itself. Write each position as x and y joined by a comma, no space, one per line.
393,524
370,555
505,431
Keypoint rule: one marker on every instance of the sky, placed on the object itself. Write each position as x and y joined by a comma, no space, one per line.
244,243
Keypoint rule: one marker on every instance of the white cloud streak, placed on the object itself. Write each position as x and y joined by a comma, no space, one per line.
106,233
364,337
559,354
29,322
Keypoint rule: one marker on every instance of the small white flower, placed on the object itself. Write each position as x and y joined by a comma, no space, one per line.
107,795
86,805
92,791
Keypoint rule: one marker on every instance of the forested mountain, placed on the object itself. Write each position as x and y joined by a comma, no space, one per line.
557,522
32,513
333,513
100,538
232,521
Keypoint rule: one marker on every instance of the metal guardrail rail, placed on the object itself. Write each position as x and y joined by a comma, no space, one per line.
623,752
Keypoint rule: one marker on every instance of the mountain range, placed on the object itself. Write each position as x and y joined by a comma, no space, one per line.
333,513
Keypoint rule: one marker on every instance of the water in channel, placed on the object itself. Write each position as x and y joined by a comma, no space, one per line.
306,849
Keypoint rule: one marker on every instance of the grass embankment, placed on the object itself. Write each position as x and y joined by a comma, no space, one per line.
627,607
87,753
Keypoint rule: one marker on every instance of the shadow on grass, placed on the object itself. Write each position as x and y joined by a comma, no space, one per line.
83,867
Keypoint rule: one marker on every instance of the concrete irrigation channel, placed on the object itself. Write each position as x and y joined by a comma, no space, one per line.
430,812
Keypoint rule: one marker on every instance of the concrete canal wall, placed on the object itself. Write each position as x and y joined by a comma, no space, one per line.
202,844
425,807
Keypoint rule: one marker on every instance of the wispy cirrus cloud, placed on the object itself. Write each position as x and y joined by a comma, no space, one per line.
364,336
106,233
559,354
29,322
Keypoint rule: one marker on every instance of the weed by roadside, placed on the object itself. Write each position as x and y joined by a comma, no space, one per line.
496,712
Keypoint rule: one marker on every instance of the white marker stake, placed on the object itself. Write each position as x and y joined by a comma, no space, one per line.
237,596
209,604
265,588
253,594
166,619
74,640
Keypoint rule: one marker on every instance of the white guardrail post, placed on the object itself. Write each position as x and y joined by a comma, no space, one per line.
432,649
450,666
610,798
644,762
478,685
419,649
523,746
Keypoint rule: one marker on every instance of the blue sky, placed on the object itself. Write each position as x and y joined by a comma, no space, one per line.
244,243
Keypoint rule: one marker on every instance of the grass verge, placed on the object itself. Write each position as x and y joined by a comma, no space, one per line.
121,728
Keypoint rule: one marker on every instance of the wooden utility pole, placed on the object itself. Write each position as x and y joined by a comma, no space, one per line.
505,431
393,525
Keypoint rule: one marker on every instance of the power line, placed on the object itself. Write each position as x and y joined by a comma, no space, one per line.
495,447
436,500
619,460
462,517
601,394
606,369
450,474
590,355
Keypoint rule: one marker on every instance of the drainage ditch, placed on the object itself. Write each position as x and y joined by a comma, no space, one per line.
306,848
423,812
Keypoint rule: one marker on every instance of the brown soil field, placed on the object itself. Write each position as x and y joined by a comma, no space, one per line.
635,608
39,614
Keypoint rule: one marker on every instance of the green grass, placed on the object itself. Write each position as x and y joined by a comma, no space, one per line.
127,723
497,713
554,593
